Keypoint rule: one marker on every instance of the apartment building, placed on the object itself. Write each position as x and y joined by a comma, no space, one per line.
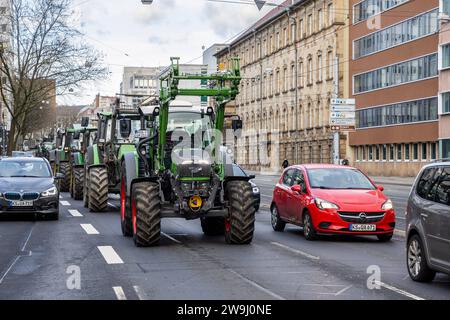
444,81
394,77
288,63
138,83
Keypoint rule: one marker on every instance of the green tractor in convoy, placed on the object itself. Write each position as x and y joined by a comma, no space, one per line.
117,135
85,137
179,171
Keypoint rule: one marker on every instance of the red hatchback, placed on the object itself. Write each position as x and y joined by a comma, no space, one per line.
330,199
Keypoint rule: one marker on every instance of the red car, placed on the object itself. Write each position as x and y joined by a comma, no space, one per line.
331,199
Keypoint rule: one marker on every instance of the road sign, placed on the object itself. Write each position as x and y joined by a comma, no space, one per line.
342,122
343,128
343,101
343,115
343,108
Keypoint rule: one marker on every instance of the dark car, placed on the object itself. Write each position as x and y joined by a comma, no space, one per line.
428,223
28,187
238,171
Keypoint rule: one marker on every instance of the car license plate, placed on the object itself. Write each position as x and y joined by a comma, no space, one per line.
363,227
21,203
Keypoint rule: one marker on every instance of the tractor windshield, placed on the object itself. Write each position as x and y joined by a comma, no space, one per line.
191,122
134,135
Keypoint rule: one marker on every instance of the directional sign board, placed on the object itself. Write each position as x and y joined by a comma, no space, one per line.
343,114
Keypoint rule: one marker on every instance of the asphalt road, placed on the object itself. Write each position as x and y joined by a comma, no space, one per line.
42,260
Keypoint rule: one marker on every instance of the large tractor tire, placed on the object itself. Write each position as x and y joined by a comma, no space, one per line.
125,208
64,168
98,189
78,183
86,190
240,223
146,214
213,226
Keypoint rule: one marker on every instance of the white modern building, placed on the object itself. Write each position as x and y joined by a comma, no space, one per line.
138,83
5,41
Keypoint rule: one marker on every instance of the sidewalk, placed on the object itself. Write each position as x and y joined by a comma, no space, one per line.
398,181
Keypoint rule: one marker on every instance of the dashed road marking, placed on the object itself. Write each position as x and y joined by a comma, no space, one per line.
75,213
110,255
65,203
140,293
270,293
299,252
400,291
89,228
119,293
171,238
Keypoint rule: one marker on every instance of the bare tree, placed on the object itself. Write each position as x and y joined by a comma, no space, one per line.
45,44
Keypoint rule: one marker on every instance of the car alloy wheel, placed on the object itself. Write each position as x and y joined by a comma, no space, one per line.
274,217
414,258
307,225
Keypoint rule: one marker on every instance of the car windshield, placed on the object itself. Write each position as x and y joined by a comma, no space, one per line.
334,178
24,168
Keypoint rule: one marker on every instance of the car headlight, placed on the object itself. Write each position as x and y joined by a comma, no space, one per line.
255,190
50,192
388,205
323,204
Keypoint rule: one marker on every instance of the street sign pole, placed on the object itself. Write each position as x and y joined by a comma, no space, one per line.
336,134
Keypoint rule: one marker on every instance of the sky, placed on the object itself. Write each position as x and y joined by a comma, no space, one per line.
129,33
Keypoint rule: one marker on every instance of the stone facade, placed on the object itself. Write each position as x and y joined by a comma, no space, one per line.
291,54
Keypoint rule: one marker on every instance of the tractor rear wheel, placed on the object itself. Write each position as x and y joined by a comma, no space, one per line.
125,210
64,168
146,213
78,183
213,226
98,189
240,223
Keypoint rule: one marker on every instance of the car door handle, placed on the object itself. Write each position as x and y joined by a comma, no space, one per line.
424,215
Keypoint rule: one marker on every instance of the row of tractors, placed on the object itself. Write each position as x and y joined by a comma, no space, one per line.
165,159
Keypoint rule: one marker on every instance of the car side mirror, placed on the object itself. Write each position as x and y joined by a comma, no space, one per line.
60,176
125,128
297,189
381,188
252,176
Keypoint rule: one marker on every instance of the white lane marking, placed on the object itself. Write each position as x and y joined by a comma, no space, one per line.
400,291
307,255
89,228
119,293
274,295
112,205
75,213
60,196
9,269
140,293
343,290
65,203
171,238
28,238
110,255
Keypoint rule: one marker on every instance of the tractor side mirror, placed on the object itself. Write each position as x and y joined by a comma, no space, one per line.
85,121
76,135
236,124
125,128
156,112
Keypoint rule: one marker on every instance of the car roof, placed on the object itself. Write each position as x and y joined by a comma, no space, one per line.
320,166
22,158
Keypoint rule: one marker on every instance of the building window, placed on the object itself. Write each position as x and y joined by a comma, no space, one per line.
445,52
446,6
399,152
309,71
377,153
445,102
407,152
369,8
2,10
320,19
384,152
370,153
319,68
293,35
395,35
391,152
330,65
424,152
397,74
445,149
300,74
301,30
310,24
415,151
363,153
330,14
293,75
433,150
400,113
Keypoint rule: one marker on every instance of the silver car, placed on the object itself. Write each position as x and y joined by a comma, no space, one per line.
428,223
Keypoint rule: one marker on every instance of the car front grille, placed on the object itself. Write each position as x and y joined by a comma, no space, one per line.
15,196
362,217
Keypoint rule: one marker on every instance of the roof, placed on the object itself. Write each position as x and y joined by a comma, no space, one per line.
269,17
322,166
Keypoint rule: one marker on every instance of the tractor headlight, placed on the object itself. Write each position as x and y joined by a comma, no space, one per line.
323,204
50,192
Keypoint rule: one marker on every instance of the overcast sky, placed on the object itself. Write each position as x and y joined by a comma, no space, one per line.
129,33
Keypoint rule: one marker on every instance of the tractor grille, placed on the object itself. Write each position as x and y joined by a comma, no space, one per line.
362,217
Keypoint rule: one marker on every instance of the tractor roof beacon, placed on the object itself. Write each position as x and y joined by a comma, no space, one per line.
179,168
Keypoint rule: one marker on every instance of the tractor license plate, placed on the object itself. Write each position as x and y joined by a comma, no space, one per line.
21,203
363,227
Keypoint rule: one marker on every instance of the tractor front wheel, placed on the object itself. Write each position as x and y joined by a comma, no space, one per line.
98,189
146,213
64,168
240,222
125,210
78,183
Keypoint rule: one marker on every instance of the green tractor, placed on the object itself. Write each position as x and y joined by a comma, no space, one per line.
179,170
60,156
85,137
117,135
